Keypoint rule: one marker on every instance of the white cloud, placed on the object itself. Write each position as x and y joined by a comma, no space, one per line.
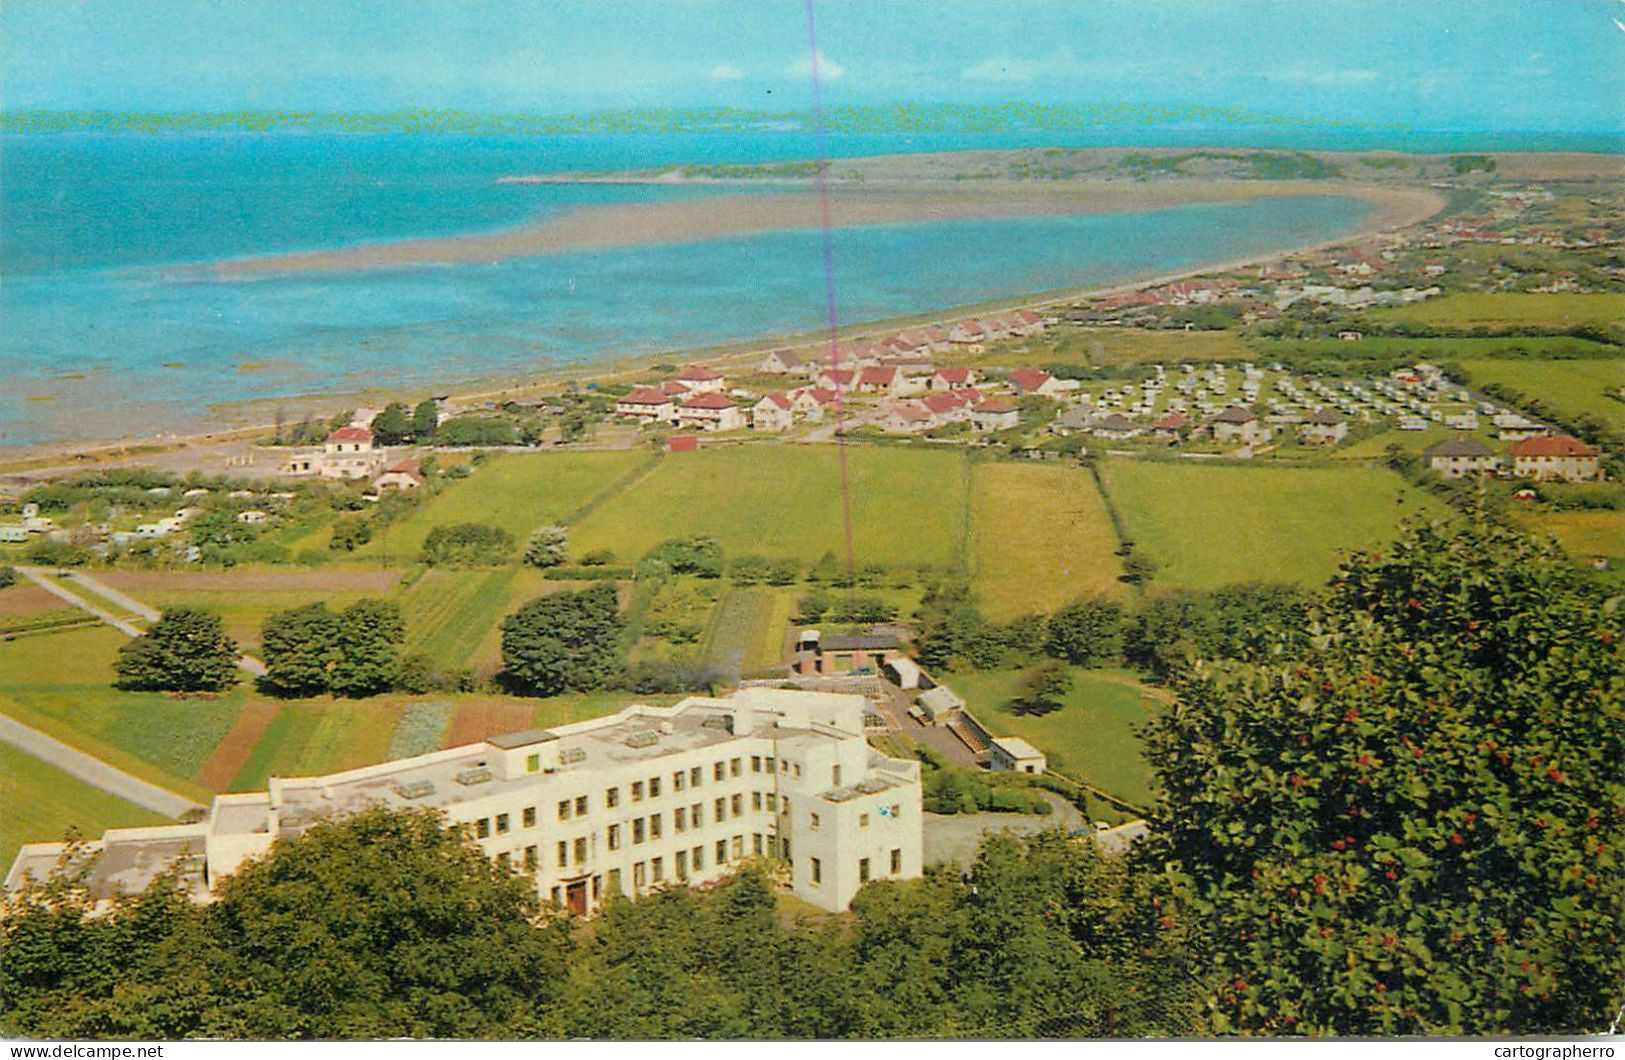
726,72
828,69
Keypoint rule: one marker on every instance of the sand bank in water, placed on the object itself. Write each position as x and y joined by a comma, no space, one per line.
720,216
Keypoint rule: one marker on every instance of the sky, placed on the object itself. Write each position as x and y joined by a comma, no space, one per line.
1480,65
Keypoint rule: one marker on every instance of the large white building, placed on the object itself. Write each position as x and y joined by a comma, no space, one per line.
649,797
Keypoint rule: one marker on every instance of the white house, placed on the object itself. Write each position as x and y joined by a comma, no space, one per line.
648,404
1012,754
710,411
775,412
995,414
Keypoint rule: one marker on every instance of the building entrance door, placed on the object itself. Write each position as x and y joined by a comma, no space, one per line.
575,898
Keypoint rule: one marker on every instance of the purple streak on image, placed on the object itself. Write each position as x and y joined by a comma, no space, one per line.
829,289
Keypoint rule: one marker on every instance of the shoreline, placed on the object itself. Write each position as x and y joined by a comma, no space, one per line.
849,205
221,424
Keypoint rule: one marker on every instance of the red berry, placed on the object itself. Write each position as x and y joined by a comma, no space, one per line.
1455,837
1338,844
1391,874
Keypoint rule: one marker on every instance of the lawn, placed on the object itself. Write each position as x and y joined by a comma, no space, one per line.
515,491
41,803
1094,737
244,599
155,737
1473,309
908,505
1101,347
449,613
1040,538
1208,524
1573,388
1584,535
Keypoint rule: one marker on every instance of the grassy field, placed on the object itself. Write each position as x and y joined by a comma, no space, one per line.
1094,737
1472,309
516,491
40,803
245,599
908,505
1208,524
1100,347
1575,388
1423,349
1040,538
1584,535
449,613
155,737
320,736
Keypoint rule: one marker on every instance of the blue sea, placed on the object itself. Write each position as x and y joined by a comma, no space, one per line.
101,334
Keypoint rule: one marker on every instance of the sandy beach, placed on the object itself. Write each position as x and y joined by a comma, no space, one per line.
721,216
1395,207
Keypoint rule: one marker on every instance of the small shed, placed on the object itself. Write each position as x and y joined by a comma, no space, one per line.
905,672
1012,754
938,702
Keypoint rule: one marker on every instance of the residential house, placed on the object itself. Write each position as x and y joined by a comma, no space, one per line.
1073,420
1555,456
781,362
1115,427
648,404
406,475
878,379
968,333
1459,457
908,418
702,380
951,407
842,379
1323,427
810,402
1236,424
995,414
952,379
710,411
1034,381
1170,428
775,412
1511,427
348,453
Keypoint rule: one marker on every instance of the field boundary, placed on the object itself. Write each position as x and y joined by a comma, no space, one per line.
616,488
93,771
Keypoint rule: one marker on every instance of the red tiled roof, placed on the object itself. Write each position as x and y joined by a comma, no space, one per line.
698,373
954,375
821,394
878,376
709,401
645,395
406,467
940,403
997,404
841,376
350,434
910,413
778,397
1171,422
673,389
1551,445
1029,378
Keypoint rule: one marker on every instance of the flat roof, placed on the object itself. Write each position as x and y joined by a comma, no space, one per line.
1016,747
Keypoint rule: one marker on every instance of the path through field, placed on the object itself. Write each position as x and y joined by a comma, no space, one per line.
93,771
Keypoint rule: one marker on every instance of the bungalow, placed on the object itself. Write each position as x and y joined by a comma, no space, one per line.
710,412
837,378
1116,427
1033,381
406,475
649,404
1554,456
701,380
1025,322
910,418
843,653
810,402
952,407
1459,457
1170,428
1322,427
1077,418
781,362
952,379
995,414
968,333
930,339
1236,424
775,412
880,380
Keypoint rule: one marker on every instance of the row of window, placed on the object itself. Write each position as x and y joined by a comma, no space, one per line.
816,868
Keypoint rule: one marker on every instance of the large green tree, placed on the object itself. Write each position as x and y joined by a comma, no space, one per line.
564,641
1088,632
300,646
368,648
1412,824
392,426
186,650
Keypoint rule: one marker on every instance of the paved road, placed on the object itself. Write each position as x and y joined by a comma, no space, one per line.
48,578
93,771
